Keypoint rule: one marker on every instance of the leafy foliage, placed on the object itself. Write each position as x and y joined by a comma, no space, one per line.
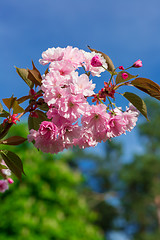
47,203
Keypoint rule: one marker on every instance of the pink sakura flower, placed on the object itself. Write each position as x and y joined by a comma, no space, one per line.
86,139
124,75
96,61
48,130
130,117
72,107
137,64
116,126
57,119
69,134
82,85
74,55
52,54
65,67
33,135
46,140
95,71
55,96
3,185
95,119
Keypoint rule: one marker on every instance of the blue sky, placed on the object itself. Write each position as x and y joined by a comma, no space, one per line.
125,30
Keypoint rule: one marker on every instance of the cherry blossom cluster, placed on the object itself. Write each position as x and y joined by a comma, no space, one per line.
72,120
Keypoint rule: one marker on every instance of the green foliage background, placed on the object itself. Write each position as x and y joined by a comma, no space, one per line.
47,203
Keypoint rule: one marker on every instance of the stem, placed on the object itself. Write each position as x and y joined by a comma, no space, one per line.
110,102
122,84
127,68
25,111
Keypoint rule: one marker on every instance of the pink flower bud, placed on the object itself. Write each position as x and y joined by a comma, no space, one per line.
96,61
137,64
124,75
32,92
121,67
10,180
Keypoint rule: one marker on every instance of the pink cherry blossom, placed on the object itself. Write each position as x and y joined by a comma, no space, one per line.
57,119
82,85
65,67
48,130
116,126
74,55
130,116
52,54
95,71
69,134
3,185
95,119
72,107
86,139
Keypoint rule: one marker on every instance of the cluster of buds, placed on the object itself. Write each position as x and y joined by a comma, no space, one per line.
11,119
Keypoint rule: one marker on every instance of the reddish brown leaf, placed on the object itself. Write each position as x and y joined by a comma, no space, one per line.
23,99
15,140
23,73
147,86
34,75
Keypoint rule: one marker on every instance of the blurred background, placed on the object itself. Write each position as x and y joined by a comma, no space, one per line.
113,189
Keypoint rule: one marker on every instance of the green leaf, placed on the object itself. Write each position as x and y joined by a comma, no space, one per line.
4,114
23,73
120,79
13,103
13,162
147,86
15,140
137,102
33,123
9,102
44,107
1,108
17,108
106,57
3,167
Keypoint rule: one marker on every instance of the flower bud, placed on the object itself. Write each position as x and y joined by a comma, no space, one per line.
137,64
10,180
96,61
124,75
121,67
